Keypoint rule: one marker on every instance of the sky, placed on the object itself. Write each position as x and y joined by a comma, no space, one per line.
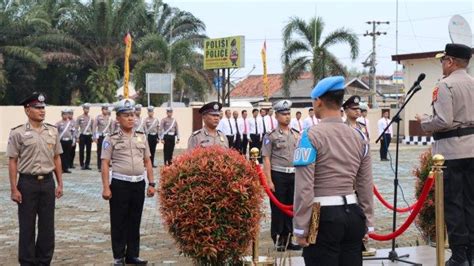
422,26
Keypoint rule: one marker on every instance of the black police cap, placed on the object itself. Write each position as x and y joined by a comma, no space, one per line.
36,99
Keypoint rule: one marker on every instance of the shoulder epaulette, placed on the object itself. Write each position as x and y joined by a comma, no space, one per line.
196,132
48,124
115,133
361,123
17,127
295,130
139,132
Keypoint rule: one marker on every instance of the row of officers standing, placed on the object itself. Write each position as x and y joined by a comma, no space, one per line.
85,130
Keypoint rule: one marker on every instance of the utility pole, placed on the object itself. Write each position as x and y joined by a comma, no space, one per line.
372,63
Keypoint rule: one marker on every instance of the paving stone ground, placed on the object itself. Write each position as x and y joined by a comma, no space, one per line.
83,227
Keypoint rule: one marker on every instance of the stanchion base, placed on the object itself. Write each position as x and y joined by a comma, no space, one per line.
262,261
369,252
393,256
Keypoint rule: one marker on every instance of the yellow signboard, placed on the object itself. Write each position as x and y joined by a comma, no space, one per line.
228,52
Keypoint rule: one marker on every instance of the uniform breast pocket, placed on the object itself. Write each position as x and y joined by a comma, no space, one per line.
50,142
140,146
28,141
120,146
281,145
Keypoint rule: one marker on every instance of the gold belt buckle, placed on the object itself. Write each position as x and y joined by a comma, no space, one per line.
40,177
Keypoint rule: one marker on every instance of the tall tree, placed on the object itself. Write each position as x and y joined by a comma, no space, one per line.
306,50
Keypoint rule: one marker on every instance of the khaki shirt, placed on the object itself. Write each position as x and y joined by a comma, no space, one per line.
82,123
453,107
152,125
202,138
102,125
343,163
67,127
127,154
168,127
35,150
280,146
138,125
359,126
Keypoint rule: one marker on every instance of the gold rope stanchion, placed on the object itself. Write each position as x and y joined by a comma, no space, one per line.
437,170
256,259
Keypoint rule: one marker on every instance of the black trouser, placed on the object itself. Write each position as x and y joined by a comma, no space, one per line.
243,147
459,202
281,224
38,200
126,207
99,151
73,155
237,143
230,139
384,144
152,141
65,160
85,141
339,240
256,143
168,148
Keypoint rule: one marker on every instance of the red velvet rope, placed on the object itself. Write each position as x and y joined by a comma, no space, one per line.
386,204
288,209
413,214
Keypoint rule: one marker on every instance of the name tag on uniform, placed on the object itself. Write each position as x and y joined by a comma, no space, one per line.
305,154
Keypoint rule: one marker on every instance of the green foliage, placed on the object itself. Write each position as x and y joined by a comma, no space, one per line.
305,50
102,85
426,219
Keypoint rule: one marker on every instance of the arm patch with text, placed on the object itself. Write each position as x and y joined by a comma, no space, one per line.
306,153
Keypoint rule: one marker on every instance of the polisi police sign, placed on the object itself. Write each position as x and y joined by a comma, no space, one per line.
227,52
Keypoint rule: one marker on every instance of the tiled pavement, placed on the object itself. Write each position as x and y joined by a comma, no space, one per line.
82,220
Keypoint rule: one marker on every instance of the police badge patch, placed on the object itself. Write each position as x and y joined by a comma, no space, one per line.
105,145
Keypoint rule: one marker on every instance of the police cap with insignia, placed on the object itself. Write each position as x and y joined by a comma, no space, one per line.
282,106
86,106
212,108
65,111
456,50
138,107
125,106
169,109
353,101
105,106
326,85
150,108
34,100
363,107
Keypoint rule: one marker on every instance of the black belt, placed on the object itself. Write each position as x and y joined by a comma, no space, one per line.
458,132
37,177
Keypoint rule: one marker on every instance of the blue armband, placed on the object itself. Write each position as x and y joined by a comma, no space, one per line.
305,154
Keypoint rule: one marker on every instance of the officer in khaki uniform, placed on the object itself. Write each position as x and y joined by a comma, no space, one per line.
169,135
138,124
277,151
72,155
332,160
128,152
152,126
452,125
84,129
33,150
353,111
66,130
208,135
102,128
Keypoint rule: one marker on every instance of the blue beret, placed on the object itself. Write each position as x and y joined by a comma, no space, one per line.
327,84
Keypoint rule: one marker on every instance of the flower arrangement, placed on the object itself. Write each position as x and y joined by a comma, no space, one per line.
211,204
426,218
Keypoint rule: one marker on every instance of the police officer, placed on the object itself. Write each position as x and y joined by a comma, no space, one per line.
84,127
452,125
152,126
138,124
331,161
74,138
208,135
353,111
33,151
277,151
128,153
102,127
66,130
169,135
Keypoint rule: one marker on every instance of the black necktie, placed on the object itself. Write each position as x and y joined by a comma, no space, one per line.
231,131
237,127
263,122
256,127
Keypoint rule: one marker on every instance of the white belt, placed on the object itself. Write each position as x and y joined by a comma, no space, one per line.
153,134
128,178
336,200
281,169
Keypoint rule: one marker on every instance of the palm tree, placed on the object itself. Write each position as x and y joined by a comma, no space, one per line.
306,50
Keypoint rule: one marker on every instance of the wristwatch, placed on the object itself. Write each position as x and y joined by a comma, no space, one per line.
152,184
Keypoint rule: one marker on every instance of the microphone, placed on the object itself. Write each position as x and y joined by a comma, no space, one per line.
416,85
